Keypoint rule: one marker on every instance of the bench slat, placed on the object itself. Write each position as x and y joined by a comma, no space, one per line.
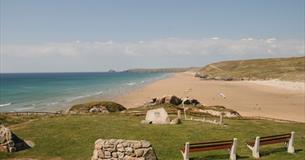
280,135
272,140
207,146
226,146
213,142
211,145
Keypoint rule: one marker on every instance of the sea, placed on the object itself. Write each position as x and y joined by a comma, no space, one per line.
22,92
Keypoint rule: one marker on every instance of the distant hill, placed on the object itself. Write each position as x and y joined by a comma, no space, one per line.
160,70
291,69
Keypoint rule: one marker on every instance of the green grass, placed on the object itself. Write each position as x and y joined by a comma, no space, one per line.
292,69
73,136
11,119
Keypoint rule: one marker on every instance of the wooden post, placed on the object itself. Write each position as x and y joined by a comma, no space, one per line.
255,149
290,148
233,149
221,119
184,111
179,114
186,151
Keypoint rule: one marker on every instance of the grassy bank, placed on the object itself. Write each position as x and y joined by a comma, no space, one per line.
291,69
72,136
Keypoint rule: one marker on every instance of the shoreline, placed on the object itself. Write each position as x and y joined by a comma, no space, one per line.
105,90
110,97
249,98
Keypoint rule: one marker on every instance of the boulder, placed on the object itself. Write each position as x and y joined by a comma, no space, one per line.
190,101
157,116
94,110
153,100
194,102
186,100
172,99
201,75
99,109
160,100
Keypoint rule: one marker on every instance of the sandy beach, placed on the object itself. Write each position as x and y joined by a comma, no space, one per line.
279,100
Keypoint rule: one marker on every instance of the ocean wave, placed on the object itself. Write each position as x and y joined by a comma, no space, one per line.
77,97
99,93
31,105
131,83
6,104
52,103
84,96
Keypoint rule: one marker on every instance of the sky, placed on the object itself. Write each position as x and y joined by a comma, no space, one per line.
98,35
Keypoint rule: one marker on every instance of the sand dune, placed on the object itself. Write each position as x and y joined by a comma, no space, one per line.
247,97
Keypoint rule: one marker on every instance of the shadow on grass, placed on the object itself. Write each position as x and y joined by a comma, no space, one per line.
277,150
19,143
218,157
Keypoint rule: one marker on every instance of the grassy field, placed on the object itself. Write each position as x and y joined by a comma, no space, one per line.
291,69
73,136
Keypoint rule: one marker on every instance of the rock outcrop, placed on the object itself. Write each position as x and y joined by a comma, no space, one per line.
218,78
174,100
123,149
99,109
9,142
190,101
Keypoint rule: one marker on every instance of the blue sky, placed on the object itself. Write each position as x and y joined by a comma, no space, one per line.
68,30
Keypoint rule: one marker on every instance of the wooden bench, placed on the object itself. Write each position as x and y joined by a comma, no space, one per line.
282,138
208,146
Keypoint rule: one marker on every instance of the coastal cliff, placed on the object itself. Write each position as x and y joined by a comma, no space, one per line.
160,70
288,69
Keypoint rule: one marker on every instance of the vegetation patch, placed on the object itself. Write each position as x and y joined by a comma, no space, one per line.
14,119
85,107
291,69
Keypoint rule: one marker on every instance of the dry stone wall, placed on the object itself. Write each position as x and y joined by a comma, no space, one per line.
119,149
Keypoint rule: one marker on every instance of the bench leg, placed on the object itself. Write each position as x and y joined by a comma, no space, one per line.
233,150
255,148
290,148
185,154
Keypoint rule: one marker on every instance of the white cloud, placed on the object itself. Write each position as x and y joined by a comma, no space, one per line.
270,40
215,38
103,55
247,39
